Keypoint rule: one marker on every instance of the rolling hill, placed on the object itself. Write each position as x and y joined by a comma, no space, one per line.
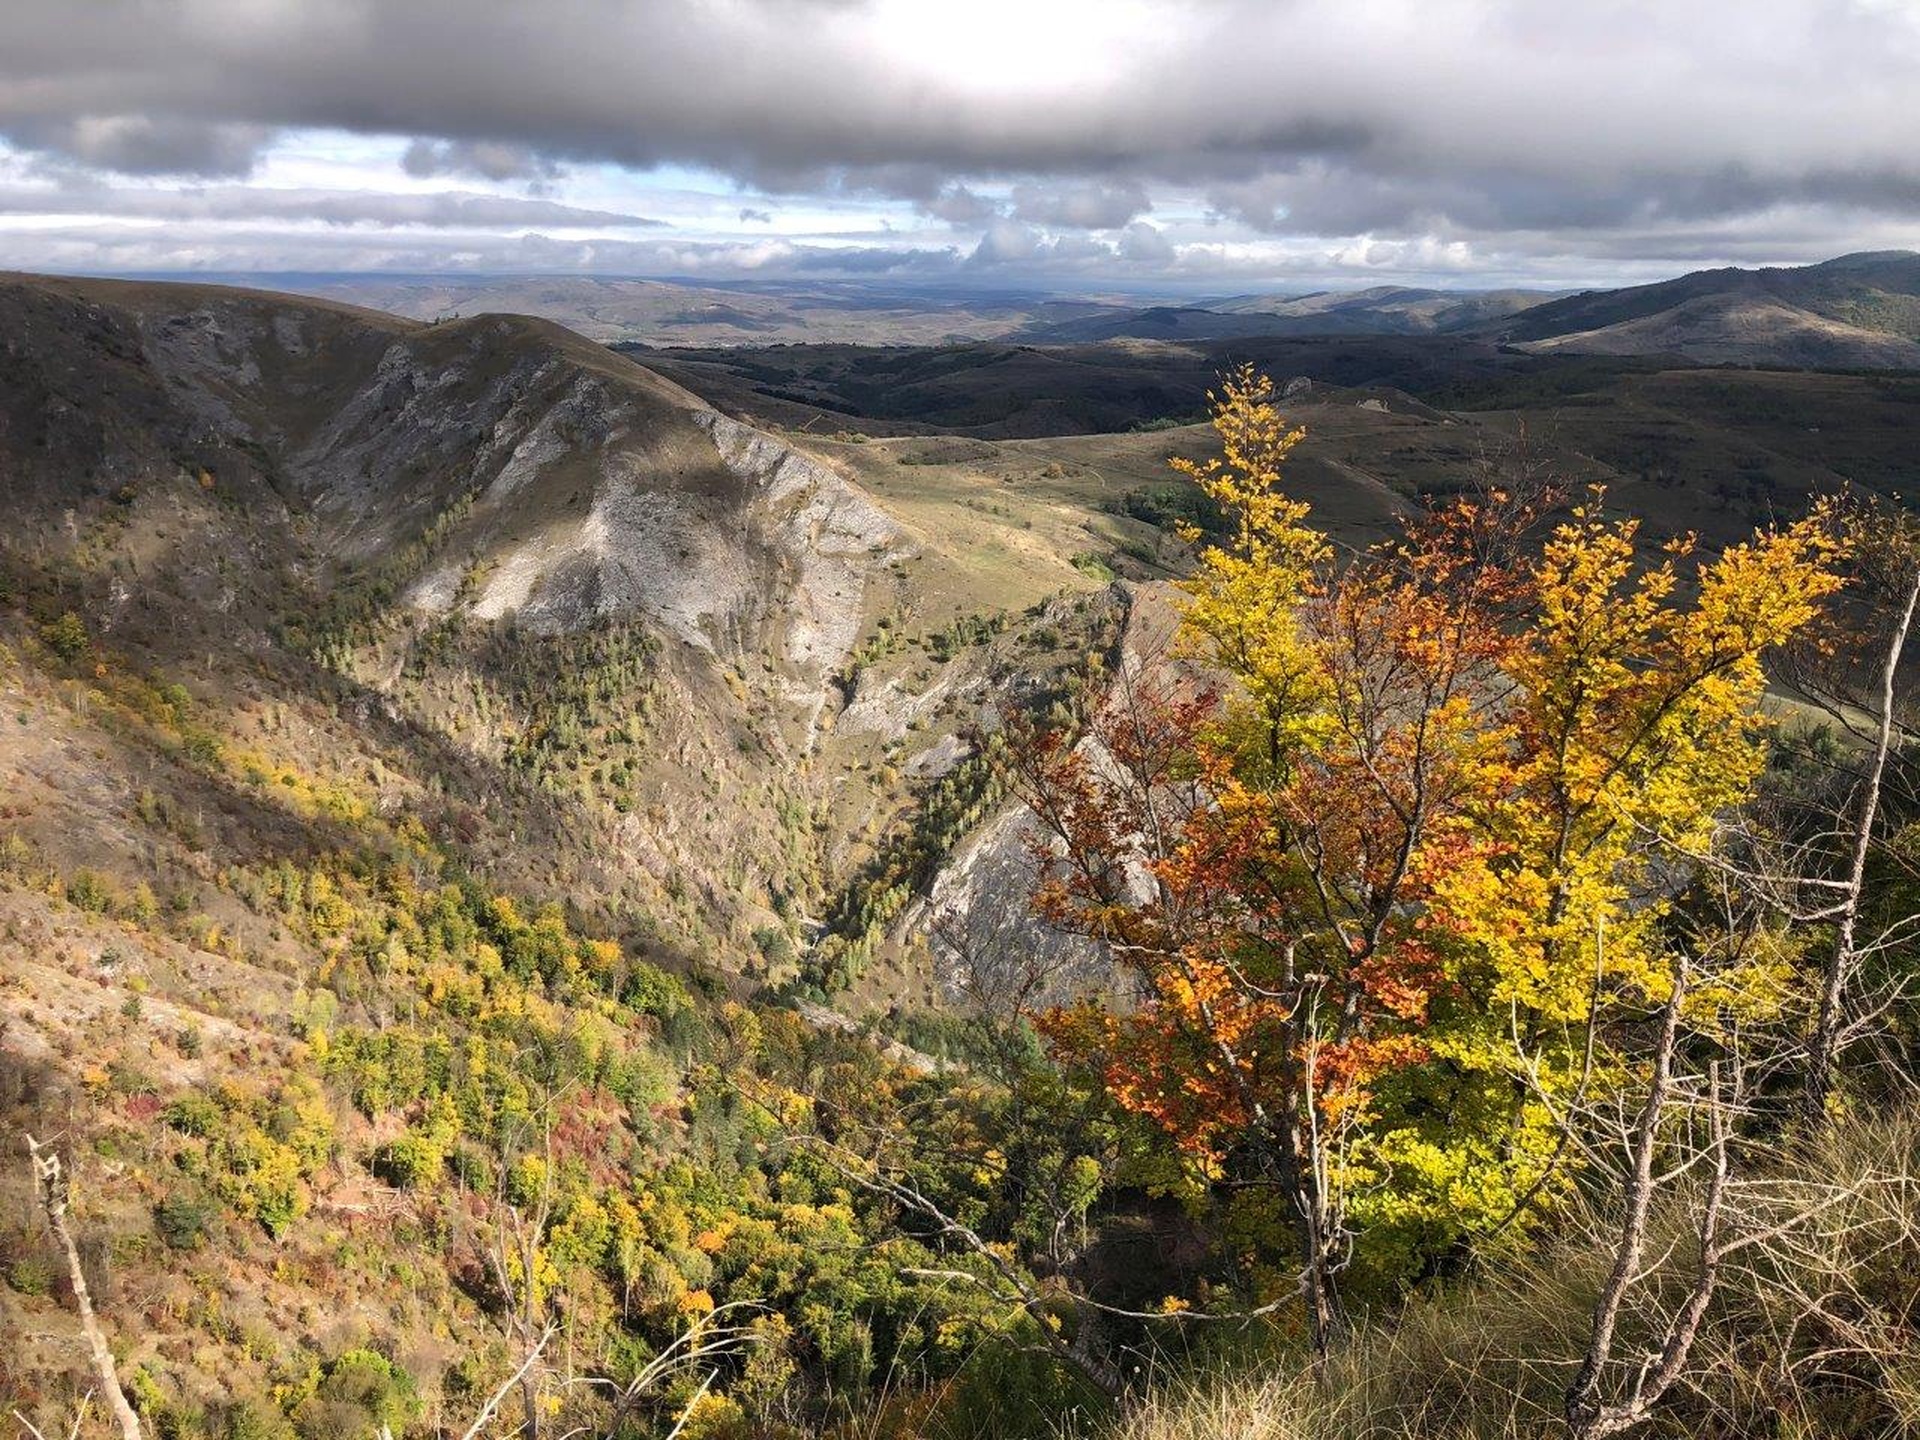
661,312
1855,312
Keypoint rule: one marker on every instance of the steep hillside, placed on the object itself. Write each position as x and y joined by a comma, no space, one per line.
492,574
413,736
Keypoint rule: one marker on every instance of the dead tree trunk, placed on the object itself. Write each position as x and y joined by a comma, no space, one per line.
1586,1412
1590,1414
1823,1048
50,1183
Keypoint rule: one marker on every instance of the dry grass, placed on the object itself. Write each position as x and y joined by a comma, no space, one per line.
1815,1333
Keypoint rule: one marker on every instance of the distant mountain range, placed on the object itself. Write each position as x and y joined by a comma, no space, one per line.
1382,310
669,313
1856,312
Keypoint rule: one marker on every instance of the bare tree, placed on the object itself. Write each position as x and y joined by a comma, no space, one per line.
51,1186
514,1257
494,1401
1589,1414
1680,1161
1865,705
711,1338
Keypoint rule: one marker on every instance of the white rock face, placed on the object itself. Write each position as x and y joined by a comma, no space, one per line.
537,477
639,551
530,448
989,948
832,532
592,503
890,709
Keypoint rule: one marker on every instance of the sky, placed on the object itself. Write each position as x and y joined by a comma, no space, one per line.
1083,146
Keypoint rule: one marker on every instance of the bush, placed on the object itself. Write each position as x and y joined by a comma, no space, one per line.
260,1177
89,892
202,747
1010,1389
182,1219
66,637
358,1393
255,1419
31,1274
412,1162
194,1115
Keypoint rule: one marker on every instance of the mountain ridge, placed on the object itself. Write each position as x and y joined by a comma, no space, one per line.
1860,310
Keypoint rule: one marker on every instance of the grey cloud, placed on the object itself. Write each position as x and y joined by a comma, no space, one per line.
957,205
1510,127
1328,198
1006,242
218,249
871,260
145,144
1220,89
1087,206
1015,257
1144,244
479,159
1011,244
441,210
760,217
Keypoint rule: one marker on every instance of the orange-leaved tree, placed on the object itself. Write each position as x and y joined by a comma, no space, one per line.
1381,858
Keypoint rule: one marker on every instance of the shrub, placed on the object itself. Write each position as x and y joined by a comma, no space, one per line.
194,1115
66,637
255,1419
31,1274
16,855
260,1177
182,1219
412,1162
89,892
360,1392
202,747
526,1180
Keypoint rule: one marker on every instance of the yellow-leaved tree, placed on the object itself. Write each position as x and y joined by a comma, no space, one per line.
1393,878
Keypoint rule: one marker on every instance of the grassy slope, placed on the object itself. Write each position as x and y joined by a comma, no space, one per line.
1810,1334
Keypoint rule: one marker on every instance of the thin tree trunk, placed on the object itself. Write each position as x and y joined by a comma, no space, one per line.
1587,1414
51,1183
1304,1151
1823,1049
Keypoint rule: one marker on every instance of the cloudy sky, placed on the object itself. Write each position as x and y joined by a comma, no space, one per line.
1089,145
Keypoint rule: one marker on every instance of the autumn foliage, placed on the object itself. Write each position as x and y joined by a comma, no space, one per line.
1393,838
